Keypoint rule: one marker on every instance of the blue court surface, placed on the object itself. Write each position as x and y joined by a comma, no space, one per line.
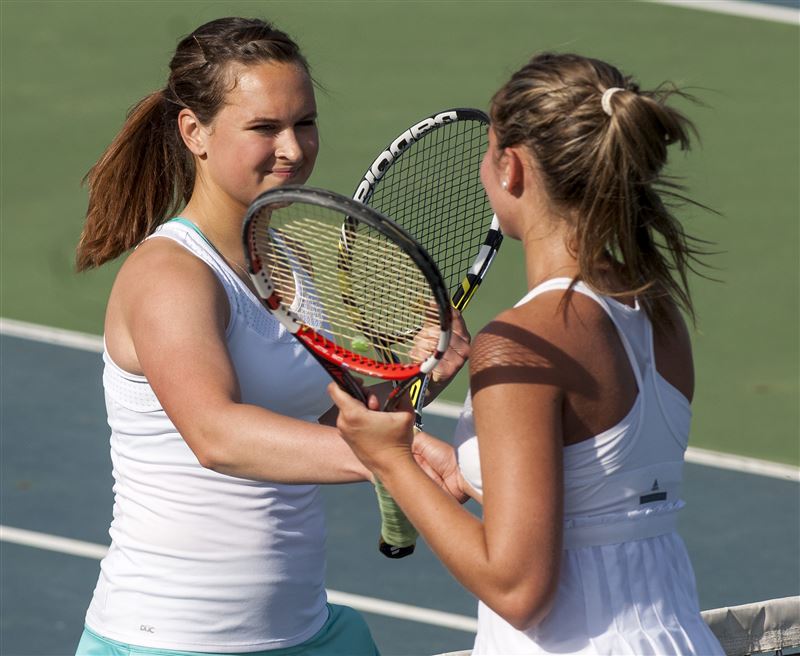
742,529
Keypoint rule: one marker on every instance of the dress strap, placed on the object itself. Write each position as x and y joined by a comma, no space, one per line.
548,286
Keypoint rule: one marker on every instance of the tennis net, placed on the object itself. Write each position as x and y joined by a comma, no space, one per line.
764,627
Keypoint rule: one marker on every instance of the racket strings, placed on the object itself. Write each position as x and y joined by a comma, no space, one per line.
434,190
364,290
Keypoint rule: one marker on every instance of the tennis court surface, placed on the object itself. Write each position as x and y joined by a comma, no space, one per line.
70,71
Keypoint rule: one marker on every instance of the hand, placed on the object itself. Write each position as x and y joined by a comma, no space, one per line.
438,461
457,352
454,358
378,439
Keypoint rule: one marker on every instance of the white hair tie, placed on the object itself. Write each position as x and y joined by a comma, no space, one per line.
605,101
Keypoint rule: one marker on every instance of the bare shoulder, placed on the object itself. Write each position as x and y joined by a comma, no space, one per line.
546,340
162,269
555,318
161,289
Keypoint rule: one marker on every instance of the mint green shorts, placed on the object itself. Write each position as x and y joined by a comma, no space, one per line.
345,633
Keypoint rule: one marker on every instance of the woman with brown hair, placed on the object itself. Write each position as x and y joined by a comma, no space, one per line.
574,432
218,532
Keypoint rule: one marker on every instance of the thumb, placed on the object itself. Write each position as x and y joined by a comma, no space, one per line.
373,402
342,399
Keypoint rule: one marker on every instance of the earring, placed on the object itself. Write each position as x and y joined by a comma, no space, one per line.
504,184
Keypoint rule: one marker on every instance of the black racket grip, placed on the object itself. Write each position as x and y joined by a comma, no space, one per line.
395,552
398,536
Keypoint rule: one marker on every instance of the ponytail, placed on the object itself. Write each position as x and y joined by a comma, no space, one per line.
141,179
625,202
601,144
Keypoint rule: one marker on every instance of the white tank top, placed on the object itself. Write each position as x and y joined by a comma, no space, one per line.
624,483
201,561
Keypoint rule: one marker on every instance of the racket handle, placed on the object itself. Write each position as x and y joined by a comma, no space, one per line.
398,535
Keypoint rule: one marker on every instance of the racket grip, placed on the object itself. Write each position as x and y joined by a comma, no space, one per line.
398,535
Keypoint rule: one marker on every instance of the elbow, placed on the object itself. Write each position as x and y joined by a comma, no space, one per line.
525,616
209,458
207,450
524,607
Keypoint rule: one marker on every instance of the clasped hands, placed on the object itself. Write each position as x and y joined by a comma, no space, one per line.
384,440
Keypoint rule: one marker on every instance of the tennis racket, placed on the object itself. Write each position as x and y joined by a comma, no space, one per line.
428,180
350,285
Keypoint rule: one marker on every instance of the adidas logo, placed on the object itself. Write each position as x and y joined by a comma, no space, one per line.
655,494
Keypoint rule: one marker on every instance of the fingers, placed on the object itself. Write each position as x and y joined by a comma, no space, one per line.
460,339
429,470
344,400
457,352
341,398
459,325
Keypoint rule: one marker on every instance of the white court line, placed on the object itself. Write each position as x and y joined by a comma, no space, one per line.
57,336
742,464
367,604
739,8
694,455
52,543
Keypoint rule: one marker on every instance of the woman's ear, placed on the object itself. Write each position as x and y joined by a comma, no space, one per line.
512,170
192,132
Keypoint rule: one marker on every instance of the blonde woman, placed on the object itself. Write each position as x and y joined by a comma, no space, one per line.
574,433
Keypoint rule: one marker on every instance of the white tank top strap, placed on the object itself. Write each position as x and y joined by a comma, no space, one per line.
243,303
188,235
619,313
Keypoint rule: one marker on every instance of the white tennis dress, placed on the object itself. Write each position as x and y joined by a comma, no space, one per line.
626,583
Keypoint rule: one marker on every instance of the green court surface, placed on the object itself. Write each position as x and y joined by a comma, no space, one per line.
70,71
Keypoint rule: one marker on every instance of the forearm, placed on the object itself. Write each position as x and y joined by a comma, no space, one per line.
452,532
247,441
487,567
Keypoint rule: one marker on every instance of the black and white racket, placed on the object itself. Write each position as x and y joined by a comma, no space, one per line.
351,286
428,180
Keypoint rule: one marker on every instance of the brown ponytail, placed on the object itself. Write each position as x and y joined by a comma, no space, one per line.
607,169
147,174
133,186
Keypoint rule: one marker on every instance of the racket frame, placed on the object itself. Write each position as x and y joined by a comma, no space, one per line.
337,360
494,236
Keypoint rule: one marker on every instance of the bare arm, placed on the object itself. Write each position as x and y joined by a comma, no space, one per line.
177,332
511,559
